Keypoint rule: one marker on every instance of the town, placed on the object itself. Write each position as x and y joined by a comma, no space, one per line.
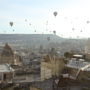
44,68
44,44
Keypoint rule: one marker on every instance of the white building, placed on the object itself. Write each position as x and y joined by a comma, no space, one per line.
78,69
6,73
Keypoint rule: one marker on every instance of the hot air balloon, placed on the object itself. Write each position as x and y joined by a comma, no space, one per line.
13,30
30,24
4,31
46,29
61,35
55,13
25,20
73,29
48,38
54,32
88,22
46,22
77,36
11,24
66,17
81,31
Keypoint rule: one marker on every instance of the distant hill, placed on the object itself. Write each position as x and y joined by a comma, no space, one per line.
46,40
30,39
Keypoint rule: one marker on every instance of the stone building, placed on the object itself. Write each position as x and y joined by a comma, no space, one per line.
9,56
78,69
52,66
6,73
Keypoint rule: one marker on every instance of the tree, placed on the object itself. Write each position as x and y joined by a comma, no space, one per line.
68,54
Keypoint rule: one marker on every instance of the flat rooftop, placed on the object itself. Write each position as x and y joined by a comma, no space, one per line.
6,68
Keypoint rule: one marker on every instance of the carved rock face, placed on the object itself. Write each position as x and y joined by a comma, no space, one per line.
7,51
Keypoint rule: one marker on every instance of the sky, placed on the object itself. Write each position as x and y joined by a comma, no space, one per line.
36,17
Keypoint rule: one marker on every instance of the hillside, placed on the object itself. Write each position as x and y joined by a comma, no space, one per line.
30,39
36,40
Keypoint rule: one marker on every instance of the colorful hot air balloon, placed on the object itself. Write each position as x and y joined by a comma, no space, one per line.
55,13
11,24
